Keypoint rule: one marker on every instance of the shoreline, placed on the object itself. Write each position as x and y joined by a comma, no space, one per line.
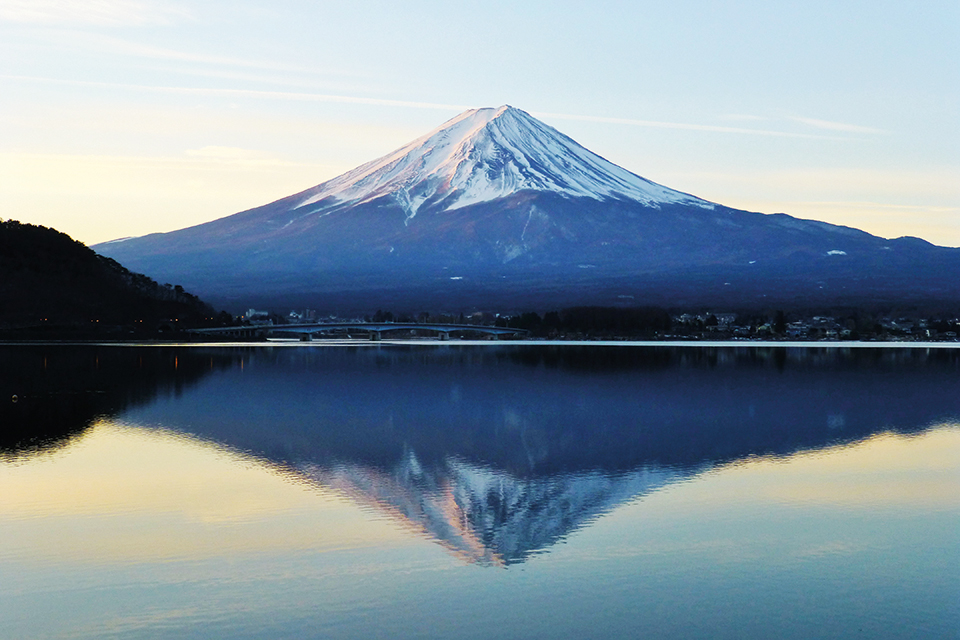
362,342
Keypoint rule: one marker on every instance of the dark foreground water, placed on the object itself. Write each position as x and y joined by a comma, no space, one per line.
497,491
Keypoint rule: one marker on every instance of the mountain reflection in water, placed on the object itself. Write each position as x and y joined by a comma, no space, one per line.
496,452
485,515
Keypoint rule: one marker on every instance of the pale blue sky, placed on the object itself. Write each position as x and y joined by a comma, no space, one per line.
124,117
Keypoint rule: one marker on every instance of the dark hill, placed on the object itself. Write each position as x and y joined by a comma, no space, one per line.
50,282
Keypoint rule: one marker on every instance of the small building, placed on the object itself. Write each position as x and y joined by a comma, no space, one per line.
255,316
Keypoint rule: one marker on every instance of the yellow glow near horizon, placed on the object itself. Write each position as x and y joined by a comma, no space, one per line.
887,471
800,506
96,198
85,181
125,494
103,198
883,203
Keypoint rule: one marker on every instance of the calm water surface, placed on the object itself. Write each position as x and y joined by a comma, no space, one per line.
496,491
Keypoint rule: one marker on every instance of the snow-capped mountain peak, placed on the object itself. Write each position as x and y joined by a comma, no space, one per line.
482,155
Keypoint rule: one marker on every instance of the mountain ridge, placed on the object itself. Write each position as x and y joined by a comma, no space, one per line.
494,209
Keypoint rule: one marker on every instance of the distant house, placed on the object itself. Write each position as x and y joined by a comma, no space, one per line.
797,330
725,319
254,316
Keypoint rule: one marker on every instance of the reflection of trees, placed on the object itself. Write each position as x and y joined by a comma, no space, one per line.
624,358
49,395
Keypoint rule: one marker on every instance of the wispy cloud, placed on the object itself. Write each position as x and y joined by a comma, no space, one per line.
853,204
225,153
299,96
103,43
836,126
248,93
657,124
743,117
109,13
237,156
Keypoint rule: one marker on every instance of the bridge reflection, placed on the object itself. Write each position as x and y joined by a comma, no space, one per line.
372,330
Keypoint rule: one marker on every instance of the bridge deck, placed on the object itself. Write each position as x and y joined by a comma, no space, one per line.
369,327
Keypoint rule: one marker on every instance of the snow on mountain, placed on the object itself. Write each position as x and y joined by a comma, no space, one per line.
482,155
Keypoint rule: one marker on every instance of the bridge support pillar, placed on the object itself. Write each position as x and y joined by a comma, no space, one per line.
375,336
306,338
444,336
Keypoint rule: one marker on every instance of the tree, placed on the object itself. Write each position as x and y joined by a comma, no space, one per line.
780,323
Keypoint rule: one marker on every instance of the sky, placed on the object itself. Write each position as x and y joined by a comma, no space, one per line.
126,117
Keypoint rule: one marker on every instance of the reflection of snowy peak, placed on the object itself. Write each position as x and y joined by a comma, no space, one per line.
490,516
482,155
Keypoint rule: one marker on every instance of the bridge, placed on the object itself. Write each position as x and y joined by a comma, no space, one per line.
373,330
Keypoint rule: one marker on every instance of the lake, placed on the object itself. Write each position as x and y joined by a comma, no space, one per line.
497,490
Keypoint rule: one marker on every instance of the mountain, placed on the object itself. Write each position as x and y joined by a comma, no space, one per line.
494,209
52,283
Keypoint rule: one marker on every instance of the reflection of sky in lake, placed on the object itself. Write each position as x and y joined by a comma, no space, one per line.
136,528
102,539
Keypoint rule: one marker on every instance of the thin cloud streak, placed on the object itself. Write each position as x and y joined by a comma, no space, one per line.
250,93
875,205
191,158
109,13
687,126
320,97
120,46
837,126
348,81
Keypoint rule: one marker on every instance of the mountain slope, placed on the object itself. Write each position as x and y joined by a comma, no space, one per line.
495,209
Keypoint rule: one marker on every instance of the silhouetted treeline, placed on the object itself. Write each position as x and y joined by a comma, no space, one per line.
593,321
50,283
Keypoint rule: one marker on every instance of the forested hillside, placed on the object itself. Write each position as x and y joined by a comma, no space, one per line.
50,282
